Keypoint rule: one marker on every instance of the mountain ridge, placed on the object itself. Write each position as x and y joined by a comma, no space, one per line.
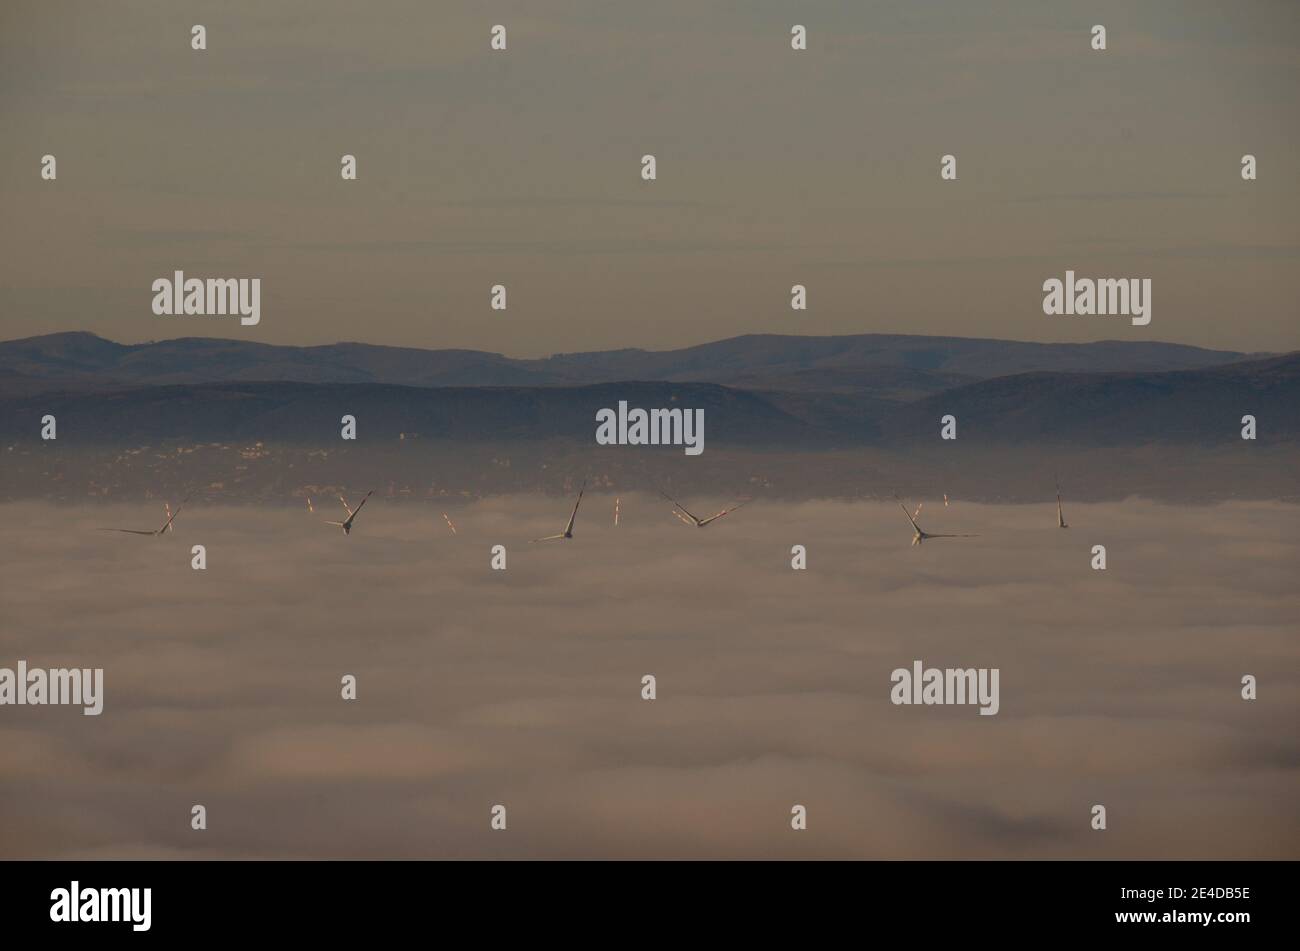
1126,408
755,361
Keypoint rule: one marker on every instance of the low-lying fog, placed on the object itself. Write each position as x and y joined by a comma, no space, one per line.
523,687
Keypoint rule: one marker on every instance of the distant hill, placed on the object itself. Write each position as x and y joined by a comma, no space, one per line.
1182,406
1126,408
79,359
880,365
310,412
757,355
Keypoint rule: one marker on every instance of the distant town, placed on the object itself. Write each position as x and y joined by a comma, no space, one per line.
409,468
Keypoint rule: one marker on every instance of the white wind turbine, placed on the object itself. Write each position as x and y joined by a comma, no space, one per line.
568,529
346,524
166,526
922,535
681,512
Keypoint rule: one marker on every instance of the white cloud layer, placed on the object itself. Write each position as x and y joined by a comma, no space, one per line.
522,687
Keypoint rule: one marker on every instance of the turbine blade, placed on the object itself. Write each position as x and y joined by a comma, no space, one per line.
574,514
171,516
714,518
907,513
679,505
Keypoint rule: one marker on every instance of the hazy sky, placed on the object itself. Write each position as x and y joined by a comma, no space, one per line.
775,167
522,687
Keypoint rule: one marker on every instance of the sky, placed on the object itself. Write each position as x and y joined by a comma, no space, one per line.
523,687
775,167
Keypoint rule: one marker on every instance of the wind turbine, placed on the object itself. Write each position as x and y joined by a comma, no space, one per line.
922,535
346,524
1060,516
568,529
695,520
166,526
